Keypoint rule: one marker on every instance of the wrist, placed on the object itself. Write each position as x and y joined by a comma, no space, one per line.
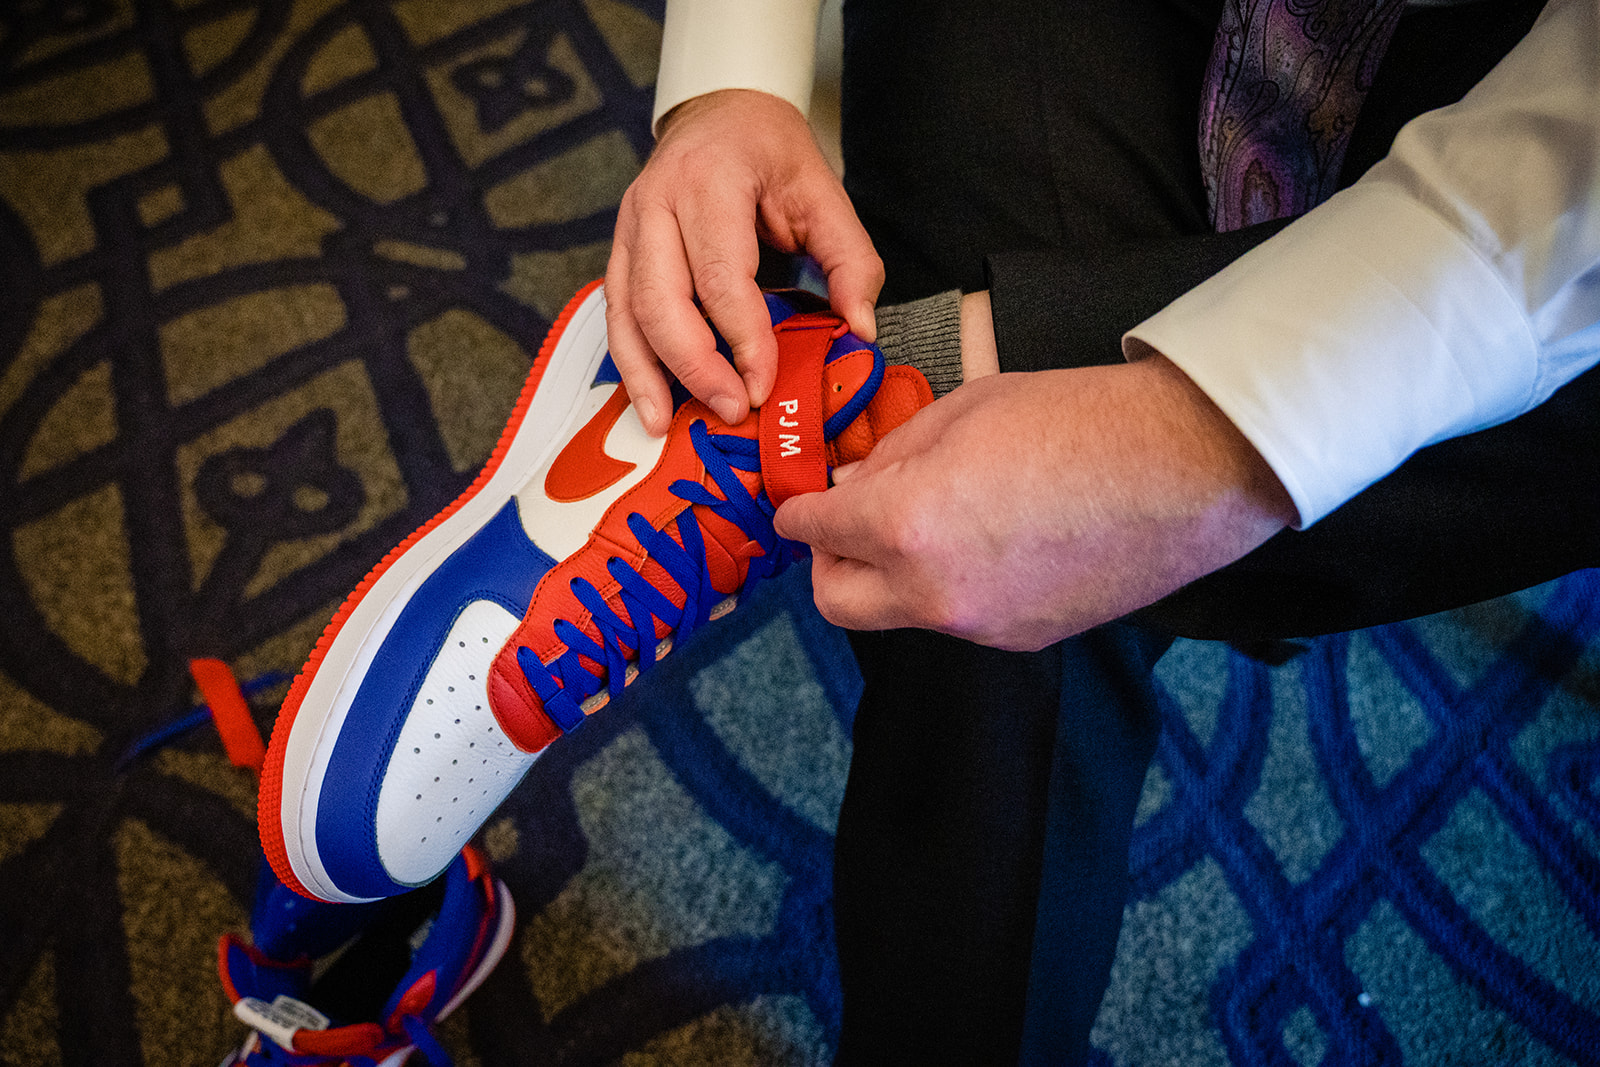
980,357
1225,467
748,101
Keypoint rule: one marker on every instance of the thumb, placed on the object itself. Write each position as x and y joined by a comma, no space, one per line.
839,521
853,288
836,240
795,519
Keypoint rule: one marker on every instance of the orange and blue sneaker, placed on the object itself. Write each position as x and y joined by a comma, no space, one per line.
581,553
361,985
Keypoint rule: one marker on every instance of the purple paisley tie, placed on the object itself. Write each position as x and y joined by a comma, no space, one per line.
1283,88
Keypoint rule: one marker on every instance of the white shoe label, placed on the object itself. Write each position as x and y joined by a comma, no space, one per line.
280,1019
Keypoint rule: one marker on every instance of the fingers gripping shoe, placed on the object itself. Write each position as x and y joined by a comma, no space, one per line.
575,560
362,984
687,543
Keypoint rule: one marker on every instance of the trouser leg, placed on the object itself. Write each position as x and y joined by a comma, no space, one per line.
970,767
1106,735
939,848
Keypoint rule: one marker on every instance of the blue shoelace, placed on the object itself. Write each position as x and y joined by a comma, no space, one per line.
565,683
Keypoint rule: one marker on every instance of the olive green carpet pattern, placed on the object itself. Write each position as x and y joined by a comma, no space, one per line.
271,274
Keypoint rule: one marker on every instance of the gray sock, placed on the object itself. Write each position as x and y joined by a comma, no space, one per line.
925,334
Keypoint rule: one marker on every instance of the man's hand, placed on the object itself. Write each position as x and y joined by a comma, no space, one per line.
729,166
1024,508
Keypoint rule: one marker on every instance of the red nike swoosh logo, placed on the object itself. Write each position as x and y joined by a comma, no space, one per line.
583,468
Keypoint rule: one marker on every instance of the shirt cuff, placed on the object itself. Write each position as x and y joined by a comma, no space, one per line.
1366,330
767,45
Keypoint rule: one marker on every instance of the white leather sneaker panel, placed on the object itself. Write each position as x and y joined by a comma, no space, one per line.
560,528
452,765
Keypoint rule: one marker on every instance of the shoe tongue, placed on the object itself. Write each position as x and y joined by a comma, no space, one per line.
826,377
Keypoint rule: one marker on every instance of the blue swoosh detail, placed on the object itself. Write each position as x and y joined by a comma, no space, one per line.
498,564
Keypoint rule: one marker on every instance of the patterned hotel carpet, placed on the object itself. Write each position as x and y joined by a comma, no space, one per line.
273,273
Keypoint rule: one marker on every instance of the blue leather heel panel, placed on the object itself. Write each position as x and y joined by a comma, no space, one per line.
498,564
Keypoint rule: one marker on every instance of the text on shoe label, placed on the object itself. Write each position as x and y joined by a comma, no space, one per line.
279,1020
790,430
789,443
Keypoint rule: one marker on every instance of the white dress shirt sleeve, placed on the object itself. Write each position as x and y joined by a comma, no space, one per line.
707,45
1455,286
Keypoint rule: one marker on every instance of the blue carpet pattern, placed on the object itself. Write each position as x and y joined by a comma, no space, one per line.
273,272
1393,840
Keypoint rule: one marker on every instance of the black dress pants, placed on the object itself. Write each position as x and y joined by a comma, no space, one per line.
1047,151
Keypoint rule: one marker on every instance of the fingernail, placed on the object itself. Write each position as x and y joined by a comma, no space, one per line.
844,472
727,409
648,410
865,314
757,398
